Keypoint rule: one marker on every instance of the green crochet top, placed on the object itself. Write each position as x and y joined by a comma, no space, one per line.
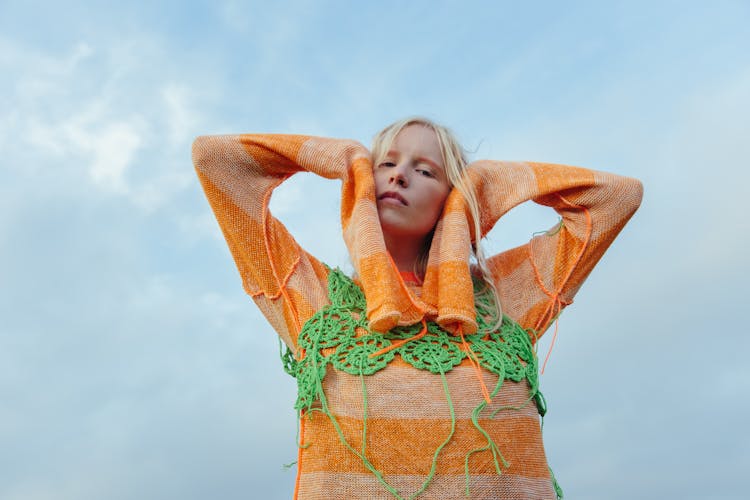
506,352
339,335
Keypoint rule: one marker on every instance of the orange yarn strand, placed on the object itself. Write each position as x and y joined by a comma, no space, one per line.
475,365
555,306
552,344
398,344
279,282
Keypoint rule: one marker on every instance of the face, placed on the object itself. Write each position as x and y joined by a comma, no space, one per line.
411,185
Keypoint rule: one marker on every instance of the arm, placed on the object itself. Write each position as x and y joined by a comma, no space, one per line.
537,280
238,174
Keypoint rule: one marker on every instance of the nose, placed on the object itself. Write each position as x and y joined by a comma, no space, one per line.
397,177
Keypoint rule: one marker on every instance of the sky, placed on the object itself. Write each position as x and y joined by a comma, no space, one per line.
132,364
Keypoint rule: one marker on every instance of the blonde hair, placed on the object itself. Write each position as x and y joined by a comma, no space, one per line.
455,165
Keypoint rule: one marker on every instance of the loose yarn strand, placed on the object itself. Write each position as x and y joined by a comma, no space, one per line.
364,411
552,343
491,446
279,282
452,411
299,454
398,344
472,357
342,438
555,306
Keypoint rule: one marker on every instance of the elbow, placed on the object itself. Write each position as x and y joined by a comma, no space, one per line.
622,194
635,194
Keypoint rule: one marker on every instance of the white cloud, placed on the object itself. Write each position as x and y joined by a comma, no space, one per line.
106,147
98,117
112,150
181,120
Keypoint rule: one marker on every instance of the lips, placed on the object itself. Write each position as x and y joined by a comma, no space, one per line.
393,195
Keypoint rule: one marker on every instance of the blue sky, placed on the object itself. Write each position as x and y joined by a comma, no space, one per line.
133,366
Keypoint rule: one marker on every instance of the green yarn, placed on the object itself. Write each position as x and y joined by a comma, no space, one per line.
435,353
310,373
491,446
343,292
552,231
484,305
327,328
404,332
339,335
364,412
506,352
433,466
555,485
287,359
353,355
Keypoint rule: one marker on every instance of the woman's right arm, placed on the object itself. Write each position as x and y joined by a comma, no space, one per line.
238,174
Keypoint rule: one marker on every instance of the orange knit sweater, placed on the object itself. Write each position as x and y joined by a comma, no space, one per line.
400,431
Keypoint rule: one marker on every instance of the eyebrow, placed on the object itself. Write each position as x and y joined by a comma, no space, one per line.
425,159
431,162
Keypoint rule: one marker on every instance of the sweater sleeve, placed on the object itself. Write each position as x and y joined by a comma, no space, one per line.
238,173
537,280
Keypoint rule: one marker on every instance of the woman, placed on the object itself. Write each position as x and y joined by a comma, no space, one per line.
418,378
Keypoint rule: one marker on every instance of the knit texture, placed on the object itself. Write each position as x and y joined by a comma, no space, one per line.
380,423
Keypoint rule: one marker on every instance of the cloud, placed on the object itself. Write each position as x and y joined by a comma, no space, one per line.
121,139
107,147
113,152
182,121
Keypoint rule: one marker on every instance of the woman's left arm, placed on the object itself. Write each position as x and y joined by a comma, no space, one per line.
537,280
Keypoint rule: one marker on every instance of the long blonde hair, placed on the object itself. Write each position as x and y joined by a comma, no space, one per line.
455,164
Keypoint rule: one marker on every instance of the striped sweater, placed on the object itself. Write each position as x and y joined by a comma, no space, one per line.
407,390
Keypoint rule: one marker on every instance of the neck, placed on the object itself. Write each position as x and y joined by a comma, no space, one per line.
404,252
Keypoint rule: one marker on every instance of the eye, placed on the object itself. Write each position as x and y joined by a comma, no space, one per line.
387,164
425,173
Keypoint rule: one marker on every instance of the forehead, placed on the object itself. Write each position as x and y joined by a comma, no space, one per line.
418,140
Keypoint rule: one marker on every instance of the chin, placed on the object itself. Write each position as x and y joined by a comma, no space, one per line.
405,231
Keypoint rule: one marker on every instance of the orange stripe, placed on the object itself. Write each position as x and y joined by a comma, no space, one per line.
397,446
277,151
